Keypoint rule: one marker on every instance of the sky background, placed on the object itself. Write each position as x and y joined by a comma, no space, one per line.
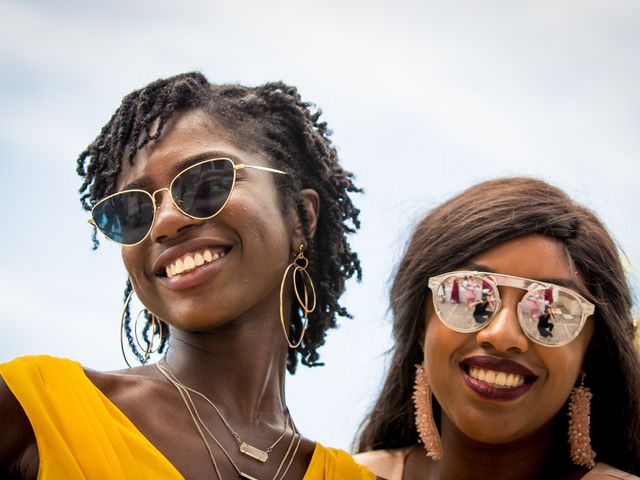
425,99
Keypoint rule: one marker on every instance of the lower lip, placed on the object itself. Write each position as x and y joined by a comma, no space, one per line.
185,280
491,392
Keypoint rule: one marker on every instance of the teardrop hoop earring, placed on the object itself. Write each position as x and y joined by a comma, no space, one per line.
156,330
299,266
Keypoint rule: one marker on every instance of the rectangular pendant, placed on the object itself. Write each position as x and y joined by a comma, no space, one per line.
253,452
247,476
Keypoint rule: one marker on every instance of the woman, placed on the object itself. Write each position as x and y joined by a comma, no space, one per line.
498,399
232,212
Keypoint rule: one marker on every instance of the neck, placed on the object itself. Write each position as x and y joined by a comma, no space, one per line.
465,458
240,366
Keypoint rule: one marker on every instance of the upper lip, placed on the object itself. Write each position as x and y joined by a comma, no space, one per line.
171,253
498,364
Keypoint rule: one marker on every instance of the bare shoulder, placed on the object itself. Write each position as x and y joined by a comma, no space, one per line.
387,464
115,383
602,471
134,391
18,448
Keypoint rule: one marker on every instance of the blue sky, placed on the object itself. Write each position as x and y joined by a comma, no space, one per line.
425,99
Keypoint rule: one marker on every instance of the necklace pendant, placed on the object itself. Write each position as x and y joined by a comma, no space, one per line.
253,452
247,476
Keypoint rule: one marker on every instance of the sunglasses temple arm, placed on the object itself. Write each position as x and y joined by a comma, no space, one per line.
240,166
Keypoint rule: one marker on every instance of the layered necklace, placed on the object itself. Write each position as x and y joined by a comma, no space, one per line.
243,446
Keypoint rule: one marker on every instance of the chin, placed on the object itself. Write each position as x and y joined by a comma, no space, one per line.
493,431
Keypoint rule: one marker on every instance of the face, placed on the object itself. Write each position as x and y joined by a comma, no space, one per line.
456,362
239,255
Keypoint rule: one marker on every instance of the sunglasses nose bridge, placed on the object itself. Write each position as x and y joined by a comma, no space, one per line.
504,332
158,202
153,195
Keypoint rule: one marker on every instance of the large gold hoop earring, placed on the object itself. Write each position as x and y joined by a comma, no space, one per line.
156,330
299,266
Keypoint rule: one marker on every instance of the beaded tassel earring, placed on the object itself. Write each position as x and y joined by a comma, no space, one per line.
424,415
579,420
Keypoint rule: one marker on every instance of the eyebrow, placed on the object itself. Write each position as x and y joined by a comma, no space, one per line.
562,282
143,182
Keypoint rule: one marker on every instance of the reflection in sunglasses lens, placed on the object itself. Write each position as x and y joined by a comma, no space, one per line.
466,303
202,190
551,315
125,218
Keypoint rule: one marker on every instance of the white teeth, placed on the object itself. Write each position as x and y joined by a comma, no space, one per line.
179,266
191,261
498,379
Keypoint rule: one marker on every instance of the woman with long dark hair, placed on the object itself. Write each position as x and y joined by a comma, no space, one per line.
498,396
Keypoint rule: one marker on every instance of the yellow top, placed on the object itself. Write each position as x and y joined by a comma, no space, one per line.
82,435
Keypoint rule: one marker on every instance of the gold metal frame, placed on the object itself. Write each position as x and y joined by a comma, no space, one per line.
149,350
152,196
495,279
299,266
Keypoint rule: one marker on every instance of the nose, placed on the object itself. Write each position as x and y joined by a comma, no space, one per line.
503,333
169,220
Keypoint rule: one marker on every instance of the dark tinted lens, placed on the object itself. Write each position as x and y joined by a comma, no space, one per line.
465,303
126,217
551,316
202,190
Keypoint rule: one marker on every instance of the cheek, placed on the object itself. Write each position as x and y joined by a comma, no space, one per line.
260,224
564,364
135,270
440,345
129,260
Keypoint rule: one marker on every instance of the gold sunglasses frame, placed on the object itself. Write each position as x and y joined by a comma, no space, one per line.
498,279
236,167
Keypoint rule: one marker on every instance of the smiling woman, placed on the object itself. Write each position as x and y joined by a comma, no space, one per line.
534,373
233,213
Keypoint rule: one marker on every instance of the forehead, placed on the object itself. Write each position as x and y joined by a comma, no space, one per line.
531,256
184,137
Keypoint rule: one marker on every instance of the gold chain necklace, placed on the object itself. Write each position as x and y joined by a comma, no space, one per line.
195,416
244,447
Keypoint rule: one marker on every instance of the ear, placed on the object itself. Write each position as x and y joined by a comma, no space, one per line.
311,201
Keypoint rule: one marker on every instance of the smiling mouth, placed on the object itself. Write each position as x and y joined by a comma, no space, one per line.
192,261
496,378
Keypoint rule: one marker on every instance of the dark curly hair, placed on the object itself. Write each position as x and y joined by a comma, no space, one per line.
273,120
461,228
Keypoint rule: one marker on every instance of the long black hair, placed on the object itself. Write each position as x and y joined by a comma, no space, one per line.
273,119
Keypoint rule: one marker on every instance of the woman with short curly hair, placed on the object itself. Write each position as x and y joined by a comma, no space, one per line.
233,214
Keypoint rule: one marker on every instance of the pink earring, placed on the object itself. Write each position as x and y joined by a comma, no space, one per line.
424,415
579,420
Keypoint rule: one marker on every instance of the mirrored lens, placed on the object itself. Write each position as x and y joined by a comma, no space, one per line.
550,315
202,190
465,303
126,217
